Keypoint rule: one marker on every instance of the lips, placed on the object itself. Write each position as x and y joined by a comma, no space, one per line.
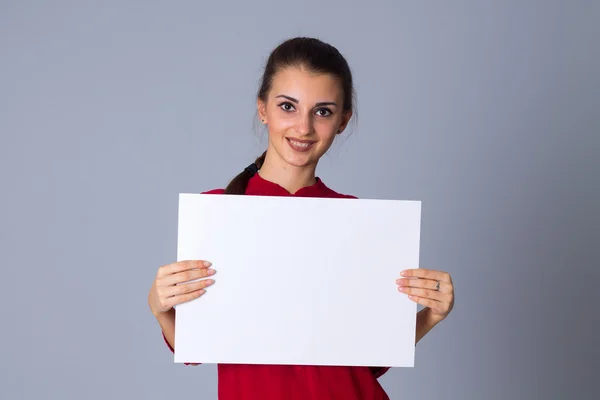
300,145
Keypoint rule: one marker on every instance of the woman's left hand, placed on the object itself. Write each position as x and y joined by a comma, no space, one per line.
432,289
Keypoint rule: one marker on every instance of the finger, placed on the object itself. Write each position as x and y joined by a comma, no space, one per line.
185,288
183,298
179,266
425,302
444,287
427,274
424,293
185,276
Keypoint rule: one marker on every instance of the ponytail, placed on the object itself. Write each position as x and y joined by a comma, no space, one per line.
239,184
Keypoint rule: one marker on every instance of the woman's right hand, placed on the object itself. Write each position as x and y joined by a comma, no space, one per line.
169,288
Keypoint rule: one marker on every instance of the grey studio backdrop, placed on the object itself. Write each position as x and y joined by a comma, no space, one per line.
487,112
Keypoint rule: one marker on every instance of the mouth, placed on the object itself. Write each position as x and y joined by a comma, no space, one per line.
300,145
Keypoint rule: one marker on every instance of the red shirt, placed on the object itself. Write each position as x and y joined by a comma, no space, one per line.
291,382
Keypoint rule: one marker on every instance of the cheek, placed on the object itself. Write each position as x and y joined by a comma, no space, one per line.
279,122
326,130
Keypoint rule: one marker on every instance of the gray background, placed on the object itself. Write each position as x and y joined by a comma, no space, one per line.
488,112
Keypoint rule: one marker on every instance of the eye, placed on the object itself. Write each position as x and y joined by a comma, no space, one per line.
286,106
324,112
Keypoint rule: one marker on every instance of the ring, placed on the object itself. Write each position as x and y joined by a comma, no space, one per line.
437,286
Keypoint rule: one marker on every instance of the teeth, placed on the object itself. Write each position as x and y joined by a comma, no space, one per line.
300,144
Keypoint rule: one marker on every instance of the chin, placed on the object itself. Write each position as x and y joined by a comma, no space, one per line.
298,162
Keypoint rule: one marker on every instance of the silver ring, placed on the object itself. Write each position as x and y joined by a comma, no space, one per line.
437,286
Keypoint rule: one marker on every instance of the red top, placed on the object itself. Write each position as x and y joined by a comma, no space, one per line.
291,382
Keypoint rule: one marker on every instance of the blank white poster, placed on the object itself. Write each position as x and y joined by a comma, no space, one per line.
302,281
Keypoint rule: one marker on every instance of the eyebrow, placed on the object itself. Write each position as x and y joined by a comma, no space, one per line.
321,104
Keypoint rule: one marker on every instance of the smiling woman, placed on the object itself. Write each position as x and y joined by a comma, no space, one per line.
305,99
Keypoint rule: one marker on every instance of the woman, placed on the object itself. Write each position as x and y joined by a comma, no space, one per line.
305,99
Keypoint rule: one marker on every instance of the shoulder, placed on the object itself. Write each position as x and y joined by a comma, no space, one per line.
214,191
344,196
328,192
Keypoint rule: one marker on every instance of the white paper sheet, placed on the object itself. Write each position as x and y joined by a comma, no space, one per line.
304,281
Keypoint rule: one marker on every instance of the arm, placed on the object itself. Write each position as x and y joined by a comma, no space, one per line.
425,322
432,289
174,284
166,320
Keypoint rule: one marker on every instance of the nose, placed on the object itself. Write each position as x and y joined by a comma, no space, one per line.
304,125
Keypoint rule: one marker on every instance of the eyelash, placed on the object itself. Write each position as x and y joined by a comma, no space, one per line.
320,109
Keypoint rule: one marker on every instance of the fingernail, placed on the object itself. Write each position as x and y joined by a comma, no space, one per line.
202,292
211,271
398,281
207,263
402,289
209,282
403,273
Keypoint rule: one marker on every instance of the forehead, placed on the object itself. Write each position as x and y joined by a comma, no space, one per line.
306,86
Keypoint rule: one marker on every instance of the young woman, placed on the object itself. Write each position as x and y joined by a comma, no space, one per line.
305,100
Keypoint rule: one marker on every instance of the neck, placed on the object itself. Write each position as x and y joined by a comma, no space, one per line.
289,177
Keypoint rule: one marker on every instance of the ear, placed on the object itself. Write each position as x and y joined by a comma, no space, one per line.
344,122
261,107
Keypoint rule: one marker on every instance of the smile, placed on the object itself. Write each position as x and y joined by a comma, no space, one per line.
300,145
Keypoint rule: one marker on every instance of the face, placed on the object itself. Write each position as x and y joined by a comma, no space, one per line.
304,113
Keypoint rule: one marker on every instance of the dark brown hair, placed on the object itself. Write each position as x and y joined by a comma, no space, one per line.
310,53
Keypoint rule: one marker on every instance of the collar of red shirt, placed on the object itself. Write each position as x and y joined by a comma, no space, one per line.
260,186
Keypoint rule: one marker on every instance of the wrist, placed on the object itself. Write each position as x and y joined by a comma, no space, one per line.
163,314
429,318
